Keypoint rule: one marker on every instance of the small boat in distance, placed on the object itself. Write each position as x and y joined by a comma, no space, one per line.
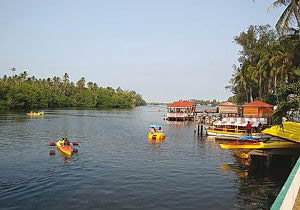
35,113
156,133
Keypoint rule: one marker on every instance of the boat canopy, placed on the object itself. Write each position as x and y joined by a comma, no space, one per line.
242,122
155,126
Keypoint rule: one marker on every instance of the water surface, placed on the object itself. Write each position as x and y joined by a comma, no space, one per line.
118,168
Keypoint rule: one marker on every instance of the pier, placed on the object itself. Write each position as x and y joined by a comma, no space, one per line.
289,196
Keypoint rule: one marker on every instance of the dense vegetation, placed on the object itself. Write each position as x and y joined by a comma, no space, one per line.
205,102
269,63
21,91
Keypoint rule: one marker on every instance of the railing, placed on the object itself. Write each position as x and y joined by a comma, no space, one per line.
178,115
288,194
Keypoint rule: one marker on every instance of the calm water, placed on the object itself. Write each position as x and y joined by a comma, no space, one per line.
118,168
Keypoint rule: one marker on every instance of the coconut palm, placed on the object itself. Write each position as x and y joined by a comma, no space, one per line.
291,12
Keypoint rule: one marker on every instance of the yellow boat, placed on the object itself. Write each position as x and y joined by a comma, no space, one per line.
289,131
66,149
259,145
35,113
241,154
222,134
156,136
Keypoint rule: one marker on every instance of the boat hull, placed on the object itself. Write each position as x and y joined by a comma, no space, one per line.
259,145
68,150
231,135
156,136
289,131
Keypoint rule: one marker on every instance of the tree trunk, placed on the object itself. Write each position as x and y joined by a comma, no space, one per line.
260,88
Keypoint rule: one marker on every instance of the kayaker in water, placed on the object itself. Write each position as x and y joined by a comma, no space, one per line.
160,130
66,142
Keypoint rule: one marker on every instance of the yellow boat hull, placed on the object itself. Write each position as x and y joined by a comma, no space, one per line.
68,150
35,114
260,145
156,136
241,154
289,131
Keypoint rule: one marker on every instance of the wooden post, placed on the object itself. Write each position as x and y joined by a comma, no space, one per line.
194,124
198,130
201,132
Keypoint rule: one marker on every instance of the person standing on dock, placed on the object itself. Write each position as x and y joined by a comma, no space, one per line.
249,128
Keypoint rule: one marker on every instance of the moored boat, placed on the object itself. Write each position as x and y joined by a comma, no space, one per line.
233,128
289,131
259,145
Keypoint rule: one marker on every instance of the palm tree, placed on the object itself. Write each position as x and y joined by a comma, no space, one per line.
292,11
81,83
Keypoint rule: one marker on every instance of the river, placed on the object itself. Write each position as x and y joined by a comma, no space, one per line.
118,168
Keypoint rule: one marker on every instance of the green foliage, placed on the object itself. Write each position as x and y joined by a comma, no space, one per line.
19,91
213,102
289,101
267,62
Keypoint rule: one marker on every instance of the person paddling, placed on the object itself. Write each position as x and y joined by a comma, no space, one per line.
66,142
249,128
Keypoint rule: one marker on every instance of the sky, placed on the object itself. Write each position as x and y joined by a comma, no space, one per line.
166,50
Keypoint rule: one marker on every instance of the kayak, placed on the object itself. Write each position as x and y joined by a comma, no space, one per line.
241,154
66,149
259,145
156,136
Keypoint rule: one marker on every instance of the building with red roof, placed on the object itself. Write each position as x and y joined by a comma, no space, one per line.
181,110
257,109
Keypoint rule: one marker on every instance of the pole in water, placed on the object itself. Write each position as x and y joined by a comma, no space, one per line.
198,130
201,132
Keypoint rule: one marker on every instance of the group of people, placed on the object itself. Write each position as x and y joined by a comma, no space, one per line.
154,130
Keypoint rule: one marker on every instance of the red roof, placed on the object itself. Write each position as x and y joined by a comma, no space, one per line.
182,104
257,104
227,103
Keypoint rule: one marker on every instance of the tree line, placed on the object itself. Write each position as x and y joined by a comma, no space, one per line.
269,63
22,92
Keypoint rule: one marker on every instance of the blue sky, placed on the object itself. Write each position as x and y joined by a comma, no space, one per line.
164,49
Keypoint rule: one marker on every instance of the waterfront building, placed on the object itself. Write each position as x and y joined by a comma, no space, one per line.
228,108
257,109
180,111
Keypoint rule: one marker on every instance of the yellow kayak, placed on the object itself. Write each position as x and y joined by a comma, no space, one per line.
259,145
35,113
290,131
66,149
241,154
156,136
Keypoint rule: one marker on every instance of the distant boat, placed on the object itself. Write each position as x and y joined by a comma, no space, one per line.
35,113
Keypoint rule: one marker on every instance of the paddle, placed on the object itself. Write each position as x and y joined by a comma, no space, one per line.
75,143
